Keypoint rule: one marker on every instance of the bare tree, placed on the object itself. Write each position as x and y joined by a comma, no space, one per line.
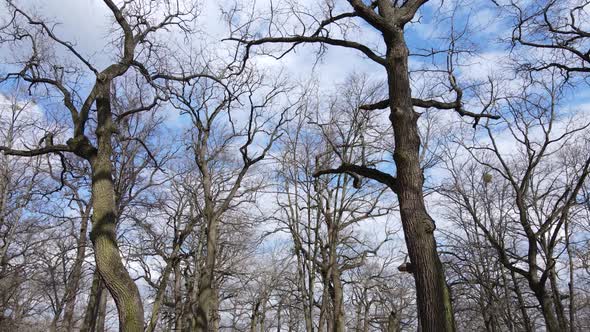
388,19
322,214
136,23
557,29
519,202
18,230
222,125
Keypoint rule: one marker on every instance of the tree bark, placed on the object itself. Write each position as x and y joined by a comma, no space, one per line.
205,299
571,289
89,323
433,300
101,314
104,223
393,323
556,294
339,325
177,298
547,306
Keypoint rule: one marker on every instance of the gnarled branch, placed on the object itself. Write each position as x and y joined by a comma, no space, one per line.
355,170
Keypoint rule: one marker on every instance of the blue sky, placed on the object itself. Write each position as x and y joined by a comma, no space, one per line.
87,23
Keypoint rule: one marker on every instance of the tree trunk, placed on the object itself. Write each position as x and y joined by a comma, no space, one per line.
89,323
104,223
74,282
101,315
337,301
547,307
433,299
508,317
521,304
571,289
254,316
216,318
159,297
324,314
306,294
562,320
170,265
189,307
205,299
393,323
177,298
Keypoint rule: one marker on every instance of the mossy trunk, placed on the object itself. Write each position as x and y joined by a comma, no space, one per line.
104,223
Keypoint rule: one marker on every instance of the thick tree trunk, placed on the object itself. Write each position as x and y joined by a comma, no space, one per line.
547,307
337,300
205,299
433,299
189,307
324,319
104,223
337,291
215,317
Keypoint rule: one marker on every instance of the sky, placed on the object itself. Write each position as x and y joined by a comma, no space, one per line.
87,24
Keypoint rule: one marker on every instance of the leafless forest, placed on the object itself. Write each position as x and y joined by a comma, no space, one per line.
294,165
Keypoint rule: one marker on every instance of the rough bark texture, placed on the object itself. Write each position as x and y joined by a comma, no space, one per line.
104,223
434,304
547,306
206,295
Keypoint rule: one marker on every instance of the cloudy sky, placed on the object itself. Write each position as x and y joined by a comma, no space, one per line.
89,25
